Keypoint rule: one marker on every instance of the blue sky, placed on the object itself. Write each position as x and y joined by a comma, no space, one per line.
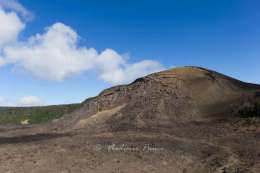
129,39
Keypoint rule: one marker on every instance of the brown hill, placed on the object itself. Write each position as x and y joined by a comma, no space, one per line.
161,99
183,120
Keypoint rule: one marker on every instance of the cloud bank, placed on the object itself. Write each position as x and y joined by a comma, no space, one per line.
56,55
22,102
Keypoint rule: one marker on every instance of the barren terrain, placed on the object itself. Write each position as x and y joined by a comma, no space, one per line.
183,120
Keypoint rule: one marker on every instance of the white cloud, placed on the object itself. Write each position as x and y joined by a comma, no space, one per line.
17,7
56,54
53,55
124,72
11,26
22,102
142,68
29,101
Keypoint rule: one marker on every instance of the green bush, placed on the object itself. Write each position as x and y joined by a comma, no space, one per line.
34,115
250,110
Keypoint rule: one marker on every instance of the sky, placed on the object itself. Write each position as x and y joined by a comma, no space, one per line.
64,51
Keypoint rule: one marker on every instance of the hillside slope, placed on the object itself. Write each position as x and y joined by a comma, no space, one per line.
178,95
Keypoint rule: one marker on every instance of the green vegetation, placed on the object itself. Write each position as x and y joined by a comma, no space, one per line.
250,110
34,115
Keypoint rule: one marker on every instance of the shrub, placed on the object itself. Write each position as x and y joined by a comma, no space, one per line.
34,115
250,110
